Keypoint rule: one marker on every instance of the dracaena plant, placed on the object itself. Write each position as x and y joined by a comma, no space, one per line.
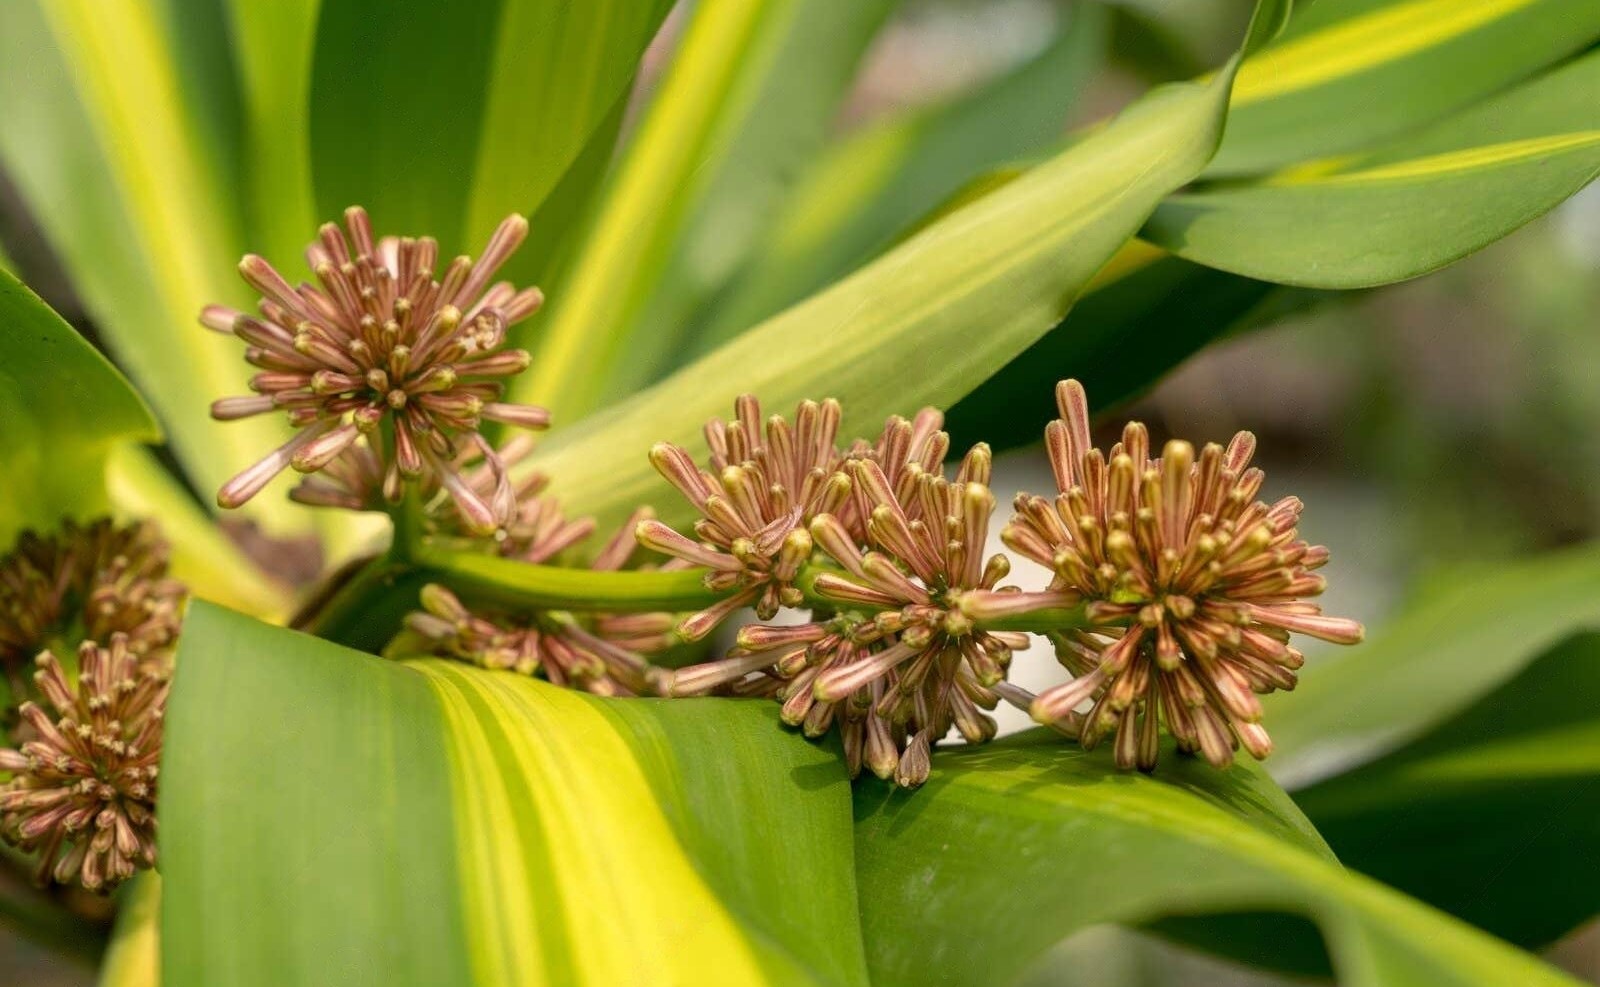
495,663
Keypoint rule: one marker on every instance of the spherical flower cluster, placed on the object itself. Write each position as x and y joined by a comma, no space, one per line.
381,356
889,656
85,582
755,504
83,789
1191,585
763,491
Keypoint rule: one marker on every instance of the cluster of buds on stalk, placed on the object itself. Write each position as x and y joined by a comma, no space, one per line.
83,789
1174,595
598,653
889,658
1173,599
386,372
755,504
1191,586
85,582
87,736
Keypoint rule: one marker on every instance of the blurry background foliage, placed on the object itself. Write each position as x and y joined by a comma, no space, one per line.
1437,426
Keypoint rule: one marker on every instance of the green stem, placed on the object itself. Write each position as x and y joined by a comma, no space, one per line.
408,527
507,582
1039,621
367,605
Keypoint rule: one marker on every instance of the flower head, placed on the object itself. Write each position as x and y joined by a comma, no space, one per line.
897,663
598,654
83,790
85,582
904,450
926,665
1193,588
379,354
755,506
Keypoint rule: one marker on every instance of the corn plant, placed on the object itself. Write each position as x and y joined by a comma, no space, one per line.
373,616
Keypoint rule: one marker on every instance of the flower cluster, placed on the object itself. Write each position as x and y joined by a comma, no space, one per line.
1174,592
83,790
1192,588
599,653
759,498
85,582
917,666
888,656
386,372
755,504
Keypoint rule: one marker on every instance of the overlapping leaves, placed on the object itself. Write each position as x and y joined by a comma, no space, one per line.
329,818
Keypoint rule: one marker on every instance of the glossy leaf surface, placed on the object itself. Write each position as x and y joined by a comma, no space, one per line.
485,827
64,409
1012,847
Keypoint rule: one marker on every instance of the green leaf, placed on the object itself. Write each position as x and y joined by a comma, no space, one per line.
117,159
64,407
273,46
750,91
1171,306
1406,209
1012,847
1349,73
441,119
132,958
561,70
1465,637
329,817
928,321
871,187
1492,815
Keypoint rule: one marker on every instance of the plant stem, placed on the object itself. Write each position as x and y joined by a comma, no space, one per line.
1039,621
507,582
408,531
348,601
362,611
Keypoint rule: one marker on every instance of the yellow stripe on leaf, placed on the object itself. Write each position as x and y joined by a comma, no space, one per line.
1448,163
634,907
124,68
1363,43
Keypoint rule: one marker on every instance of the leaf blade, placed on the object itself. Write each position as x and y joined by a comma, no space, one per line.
728,120
1481,627
536,822
1348,74
872,186
108,150
1520,763
940,905
65,409
1406,209
1012,261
